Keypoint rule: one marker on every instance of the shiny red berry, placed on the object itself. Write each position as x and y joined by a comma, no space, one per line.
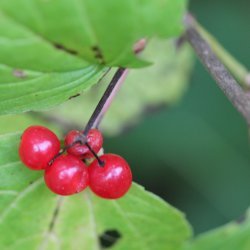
113,179
94,138
67,175
38,146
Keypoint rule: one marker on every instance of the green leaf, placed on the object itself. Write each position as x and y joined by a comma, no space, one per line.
230,237
163,83
31,217
95,30
34,74
38,91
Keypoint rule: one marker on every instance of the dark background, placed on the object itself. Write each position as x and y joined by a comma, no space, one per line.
196,155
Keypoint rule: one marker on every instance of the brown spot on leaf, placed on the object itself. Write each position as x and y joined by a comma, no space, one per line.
68,50
98,54
73,96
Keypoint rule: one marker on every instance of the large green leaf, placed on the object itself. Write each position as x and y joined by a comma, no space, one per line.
163,83
98,31
33,73
31,217
230,237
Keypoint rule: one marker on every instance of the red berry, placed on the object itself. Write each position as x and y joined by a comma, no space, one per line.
67,175
38,146
113,179
94,138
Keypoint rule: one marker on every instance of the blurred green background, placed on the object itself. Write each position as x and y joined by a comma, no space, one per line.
196,154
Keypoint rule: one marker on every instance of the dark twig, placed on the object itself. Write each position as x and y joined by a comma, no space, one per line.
119,73
217,70
110,99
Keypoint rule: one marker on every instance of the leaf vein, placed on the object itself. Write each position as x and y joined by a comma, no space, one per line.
92,220
20,196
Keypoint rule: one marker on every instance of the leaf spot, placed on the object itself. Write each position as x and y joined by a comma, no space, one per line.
109,238
73,96
68,50
98,54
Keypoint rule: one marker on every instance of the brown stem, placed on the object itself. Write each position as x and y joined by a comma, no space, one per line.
217,70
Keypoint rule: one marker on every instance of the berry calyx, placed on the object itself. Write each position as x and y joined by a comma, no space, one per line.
94,139
38,146
67,175
113,179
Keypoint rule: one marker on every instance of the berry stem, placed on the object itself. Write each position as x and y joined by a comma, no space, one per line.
100,162
103,101
110,99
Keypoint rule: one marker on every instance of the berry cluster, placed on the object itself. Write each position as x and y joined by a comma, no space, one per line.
109,176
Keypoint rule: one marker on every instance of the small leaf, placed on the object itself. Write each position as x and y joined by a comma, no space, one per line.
31,217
